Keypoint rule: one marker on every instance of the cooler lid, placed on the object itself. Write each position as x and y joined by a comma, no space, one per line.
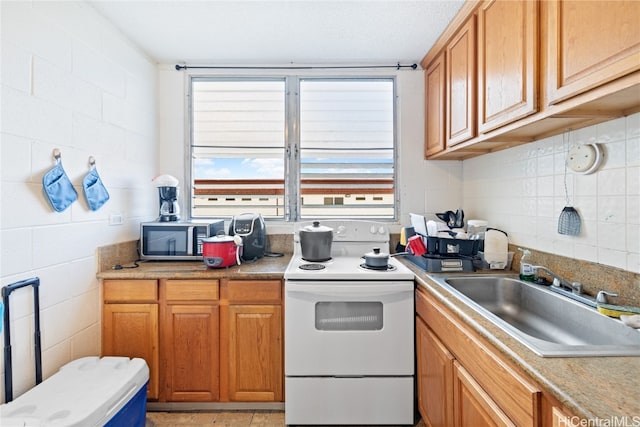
85,392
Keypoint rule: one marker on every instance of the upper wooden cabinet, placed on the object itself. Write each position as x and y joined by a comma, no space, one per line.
589,44
434,85
461,85
507,55
540,68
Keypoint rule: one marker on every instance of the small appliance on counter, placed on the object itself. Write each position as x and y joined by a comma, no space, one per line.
168,198
222,251
252,229
496,249
176,241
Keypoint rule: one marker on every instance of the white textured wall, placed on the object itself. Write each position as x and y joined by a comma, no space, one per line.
521,190
69,80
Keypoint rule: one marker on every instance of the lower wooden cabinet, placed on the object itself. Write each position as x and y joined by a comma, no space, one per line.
190,336
435,378
190,353
130,324
204,340
255,355
473,406
252,340
461,381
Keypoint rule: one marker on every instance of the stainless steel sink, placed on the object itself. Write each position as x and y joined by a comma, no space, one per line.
549,324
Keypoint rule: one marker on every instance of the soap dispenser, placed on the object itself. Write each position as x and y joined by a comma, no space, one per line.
526,269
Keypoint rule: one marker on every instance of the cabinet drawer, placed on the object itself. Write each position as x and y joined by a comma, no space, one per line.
130,290
516,396
254,291
191,290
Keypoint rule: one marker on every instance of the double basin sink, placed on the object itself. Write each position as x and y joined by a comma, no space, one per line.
549,324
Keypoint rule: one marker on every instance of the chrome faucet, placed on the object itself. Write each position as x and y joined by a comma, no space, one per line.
562,286
558,281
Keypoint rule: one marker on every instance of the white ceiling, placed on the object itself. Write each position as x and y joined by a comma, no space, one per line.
272,32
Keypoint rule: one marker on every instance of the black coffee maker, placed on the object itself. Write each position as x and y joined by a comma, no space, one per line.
169,207
168,198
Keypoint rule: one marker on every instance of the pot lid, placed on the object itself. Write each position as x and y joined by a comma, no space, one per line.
218,239
376,254
317,228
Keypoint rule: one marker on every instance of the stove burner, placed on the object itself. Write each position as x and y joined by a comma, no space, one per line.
311,267
382,268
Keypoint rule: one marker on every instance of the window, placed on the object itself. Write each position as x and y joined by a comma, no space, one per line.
293,148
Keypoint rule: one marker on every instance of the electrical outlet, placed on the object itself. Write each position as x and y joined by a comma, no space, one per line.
116,219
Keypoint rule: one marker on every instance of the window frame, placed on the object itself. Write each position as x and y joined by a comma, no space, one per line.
292,164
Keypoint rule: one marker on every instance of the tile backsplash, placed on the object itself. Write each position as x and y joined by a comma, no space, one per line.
522,191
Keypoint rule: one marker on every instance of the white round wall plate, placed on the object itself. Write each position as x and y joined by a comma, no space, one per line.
584,158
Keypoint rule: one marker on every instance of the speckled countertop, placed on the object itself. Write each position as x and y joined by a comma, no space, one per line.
264,269
590,387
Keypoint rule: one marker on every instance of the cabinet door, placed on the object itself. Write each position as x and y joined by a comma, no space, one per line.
255,353
435,378
435,98
472,406
503,384
461,84
507,67
590,43
131,330
190,352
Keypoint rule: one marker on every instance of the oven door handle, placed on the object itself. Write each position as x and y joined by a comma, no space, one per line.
359,291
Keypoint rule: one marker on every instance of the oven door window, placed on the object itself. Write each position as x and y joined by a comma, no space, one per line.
349,316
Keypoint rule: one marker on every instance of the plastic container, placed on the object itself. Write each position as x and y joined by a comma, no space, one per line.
482,264
477,227
89,391
496,248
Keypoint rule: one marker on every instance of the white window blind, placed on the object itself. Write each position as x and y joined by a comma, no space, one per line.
238,143
293,148
347,148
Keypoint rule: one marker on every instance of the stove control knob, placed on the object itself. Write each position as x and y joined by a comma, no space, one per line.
381,230
341,229
373,229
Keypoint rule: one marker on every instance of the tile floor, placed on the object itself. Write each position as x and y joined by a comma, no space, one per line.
220,418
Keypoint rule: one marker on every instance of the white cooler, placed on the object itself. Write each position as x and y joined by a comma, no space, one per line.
91,391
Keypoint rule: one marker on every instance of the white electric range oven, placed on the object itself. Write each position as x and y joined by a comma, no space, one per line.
349,333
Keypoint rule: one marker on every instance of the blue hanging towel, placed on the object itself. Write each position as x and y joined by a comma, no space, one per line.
58,188
94,190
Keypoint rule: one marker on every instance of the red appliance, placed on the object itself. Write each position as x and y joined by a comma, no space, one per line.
220,251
